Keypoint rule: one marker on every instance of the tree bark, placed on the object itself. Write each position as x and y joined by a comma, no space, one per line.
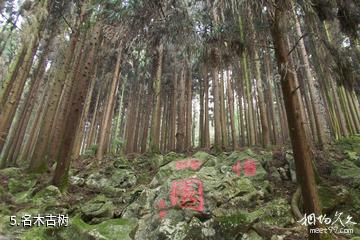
317,104
156,120
78,95
109,110
301,148
218,135
230,95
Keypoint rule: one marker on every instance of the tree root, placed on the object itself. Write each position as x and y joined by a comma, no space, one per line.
295,204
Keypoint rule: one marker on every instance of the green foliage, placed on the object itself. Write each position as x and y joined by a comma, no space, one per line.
117,145
91,151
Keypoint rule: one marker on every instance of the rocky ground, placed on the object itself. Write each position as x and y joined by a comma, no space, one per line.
236,195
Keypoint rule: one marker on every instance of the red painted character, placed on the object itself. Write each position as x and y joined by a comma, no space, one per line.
162,205
250,167
237,168
188,193
189,163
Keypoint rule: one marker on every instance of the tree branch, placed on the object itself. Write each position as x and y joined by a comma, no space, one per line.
297,43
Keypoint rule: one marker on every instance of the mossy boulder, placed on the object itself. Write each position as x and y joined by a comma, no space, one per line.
97,209
123,178
112,229
108,230
160,208
48,195
11,172
347,170
112,183
332,197
208,159
275,213
17,185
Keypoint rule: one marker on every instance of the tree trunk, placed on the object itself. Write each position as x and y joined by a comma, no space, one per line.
78,95
317,104
38,158
156,120
218,135
262,106
173,106
109,110
180,135
145,133
206,110
271,97
230,95
188,94
12,152
223,118
301,148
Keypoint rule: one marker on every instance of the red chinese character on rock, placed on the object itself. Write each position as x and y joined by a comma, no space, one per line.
237,168
194,164
162,205
188,193
250,167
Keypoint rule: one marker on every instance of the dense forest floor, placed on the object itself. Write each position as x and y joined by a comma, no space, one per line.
232,195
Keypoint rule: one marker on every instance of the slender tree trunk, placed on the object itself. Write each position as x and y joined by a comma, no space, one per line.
317,104
173,106
78,95
180,135
81,129
38,158
218,135
223,118
156,120
271,96
188,94
230,95
164,123
262,106
131,120
206,110
201,115
93,124
109,110
138,116
301,148
145,133
13,150
9,105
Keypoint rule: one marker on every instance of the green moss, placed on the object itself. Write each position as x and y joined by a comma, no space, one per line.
110,230
202,155
351,143
35,233
238,218
275,213
331,197
347,170
248,153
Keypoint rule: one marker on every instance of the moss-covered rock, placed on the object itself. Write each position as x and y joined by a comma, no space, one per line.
97,209
48,195
276,213
332,197
11,172
109,230
77,229
347,170
17,185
